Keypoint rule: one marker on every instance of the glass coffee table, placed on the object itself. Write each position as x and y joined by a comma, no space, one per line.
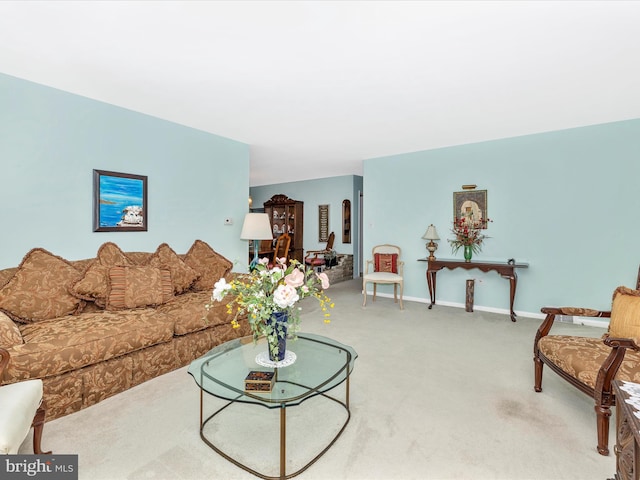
320,365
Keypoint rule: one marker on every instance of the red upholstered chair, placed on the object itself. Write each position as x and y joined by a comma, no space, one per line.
317,261
387,269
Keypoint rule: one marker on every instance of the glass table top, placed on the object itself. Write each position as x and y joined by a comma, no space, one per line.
321,364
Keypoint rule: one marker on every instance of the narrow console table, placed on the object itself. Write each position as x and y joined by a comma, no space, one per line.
505,270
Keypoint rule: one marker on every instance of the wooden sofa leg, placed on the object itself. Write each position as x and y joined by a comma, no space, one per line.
602,417
38,425
537,385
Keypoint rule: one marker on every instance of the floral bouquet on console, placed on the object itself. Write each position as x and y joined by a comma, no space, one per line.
468,233
267,292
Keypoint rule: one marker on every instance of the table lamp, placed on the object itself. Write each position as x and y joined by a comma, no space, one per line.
256,227
431,235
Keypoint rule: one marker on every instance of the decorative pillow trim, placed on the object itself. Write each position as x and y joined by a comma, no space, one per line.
38,290
138,286
386,262
182,275
625,291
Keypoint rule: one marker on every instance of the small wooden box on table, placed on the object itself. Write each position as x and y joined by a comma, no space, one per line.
258,381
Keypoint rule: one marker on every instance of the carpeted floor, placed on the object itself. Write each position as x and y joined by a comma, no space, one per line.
435,394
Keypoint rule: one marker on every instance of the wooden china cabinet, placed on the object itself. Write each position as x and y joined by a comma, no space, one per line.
286,216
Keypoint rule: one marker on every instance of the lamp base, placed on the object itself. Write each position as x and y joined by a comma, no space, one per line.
432,247
254,262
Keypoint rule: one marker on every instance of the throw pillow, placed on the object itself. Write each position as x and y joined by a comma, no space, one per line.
39,288
386,262
94,283
9,333
133,287
625,313
209,264
182,275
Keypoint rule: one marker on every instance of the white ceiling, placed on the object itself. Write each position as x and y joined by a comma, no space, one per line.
315,87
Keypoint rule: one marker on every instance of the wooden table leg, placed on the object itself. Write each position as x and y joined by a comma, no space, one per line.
431,282
513,283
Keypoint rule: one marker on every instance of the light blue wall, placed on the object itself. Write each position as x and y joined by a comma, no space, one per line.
323,191
567,202
50,142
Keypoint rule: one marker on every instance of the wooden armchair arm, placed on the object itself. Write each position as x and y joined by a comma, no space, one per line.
610,367
580,312
366,265
551,312
316,253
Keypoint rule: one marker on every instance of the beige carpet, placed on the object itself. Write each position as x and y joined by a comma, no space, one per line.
440,394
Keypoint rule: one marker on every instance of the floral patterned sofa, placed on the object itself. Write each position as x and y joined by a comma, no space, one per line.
96,327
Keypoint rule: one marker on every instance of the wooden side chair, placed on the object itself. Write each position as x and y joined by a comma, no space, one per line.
387,269
281,250
318,260
21,408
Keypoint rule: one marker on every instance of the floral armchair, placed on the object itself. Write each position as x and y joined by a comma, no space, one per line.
591,364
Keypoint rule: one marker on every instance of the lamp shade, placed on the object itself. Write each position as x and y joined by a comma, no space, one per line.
256,226
431,233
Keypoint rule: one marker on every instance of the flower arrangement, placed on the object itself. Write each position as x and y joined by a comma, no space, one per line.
266,291
468,233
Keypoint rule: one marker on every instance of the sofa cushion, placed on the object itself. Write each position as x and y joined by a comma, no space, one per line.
134,287
189,313
581,357
625,314
209,264
39,288
6,274
182,275
9,333
94,283
53,347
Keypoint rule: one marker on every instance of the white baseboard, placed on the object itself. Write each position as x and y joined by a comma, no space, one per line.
587,321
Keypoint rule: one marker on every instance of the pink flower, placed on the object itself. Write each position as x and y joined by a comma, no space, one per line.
324,280
285,296
295,278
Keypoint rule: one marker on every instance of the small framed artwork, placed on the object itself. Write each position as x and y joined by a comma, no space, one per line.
472,205
346,221
323,223
119,202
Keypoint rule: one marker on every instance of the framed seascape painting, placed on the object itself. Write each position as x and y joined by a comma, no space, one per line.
119,202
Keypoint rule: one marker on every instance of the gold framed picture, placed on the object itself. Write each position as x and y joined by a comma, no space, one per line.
323,223
471,205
